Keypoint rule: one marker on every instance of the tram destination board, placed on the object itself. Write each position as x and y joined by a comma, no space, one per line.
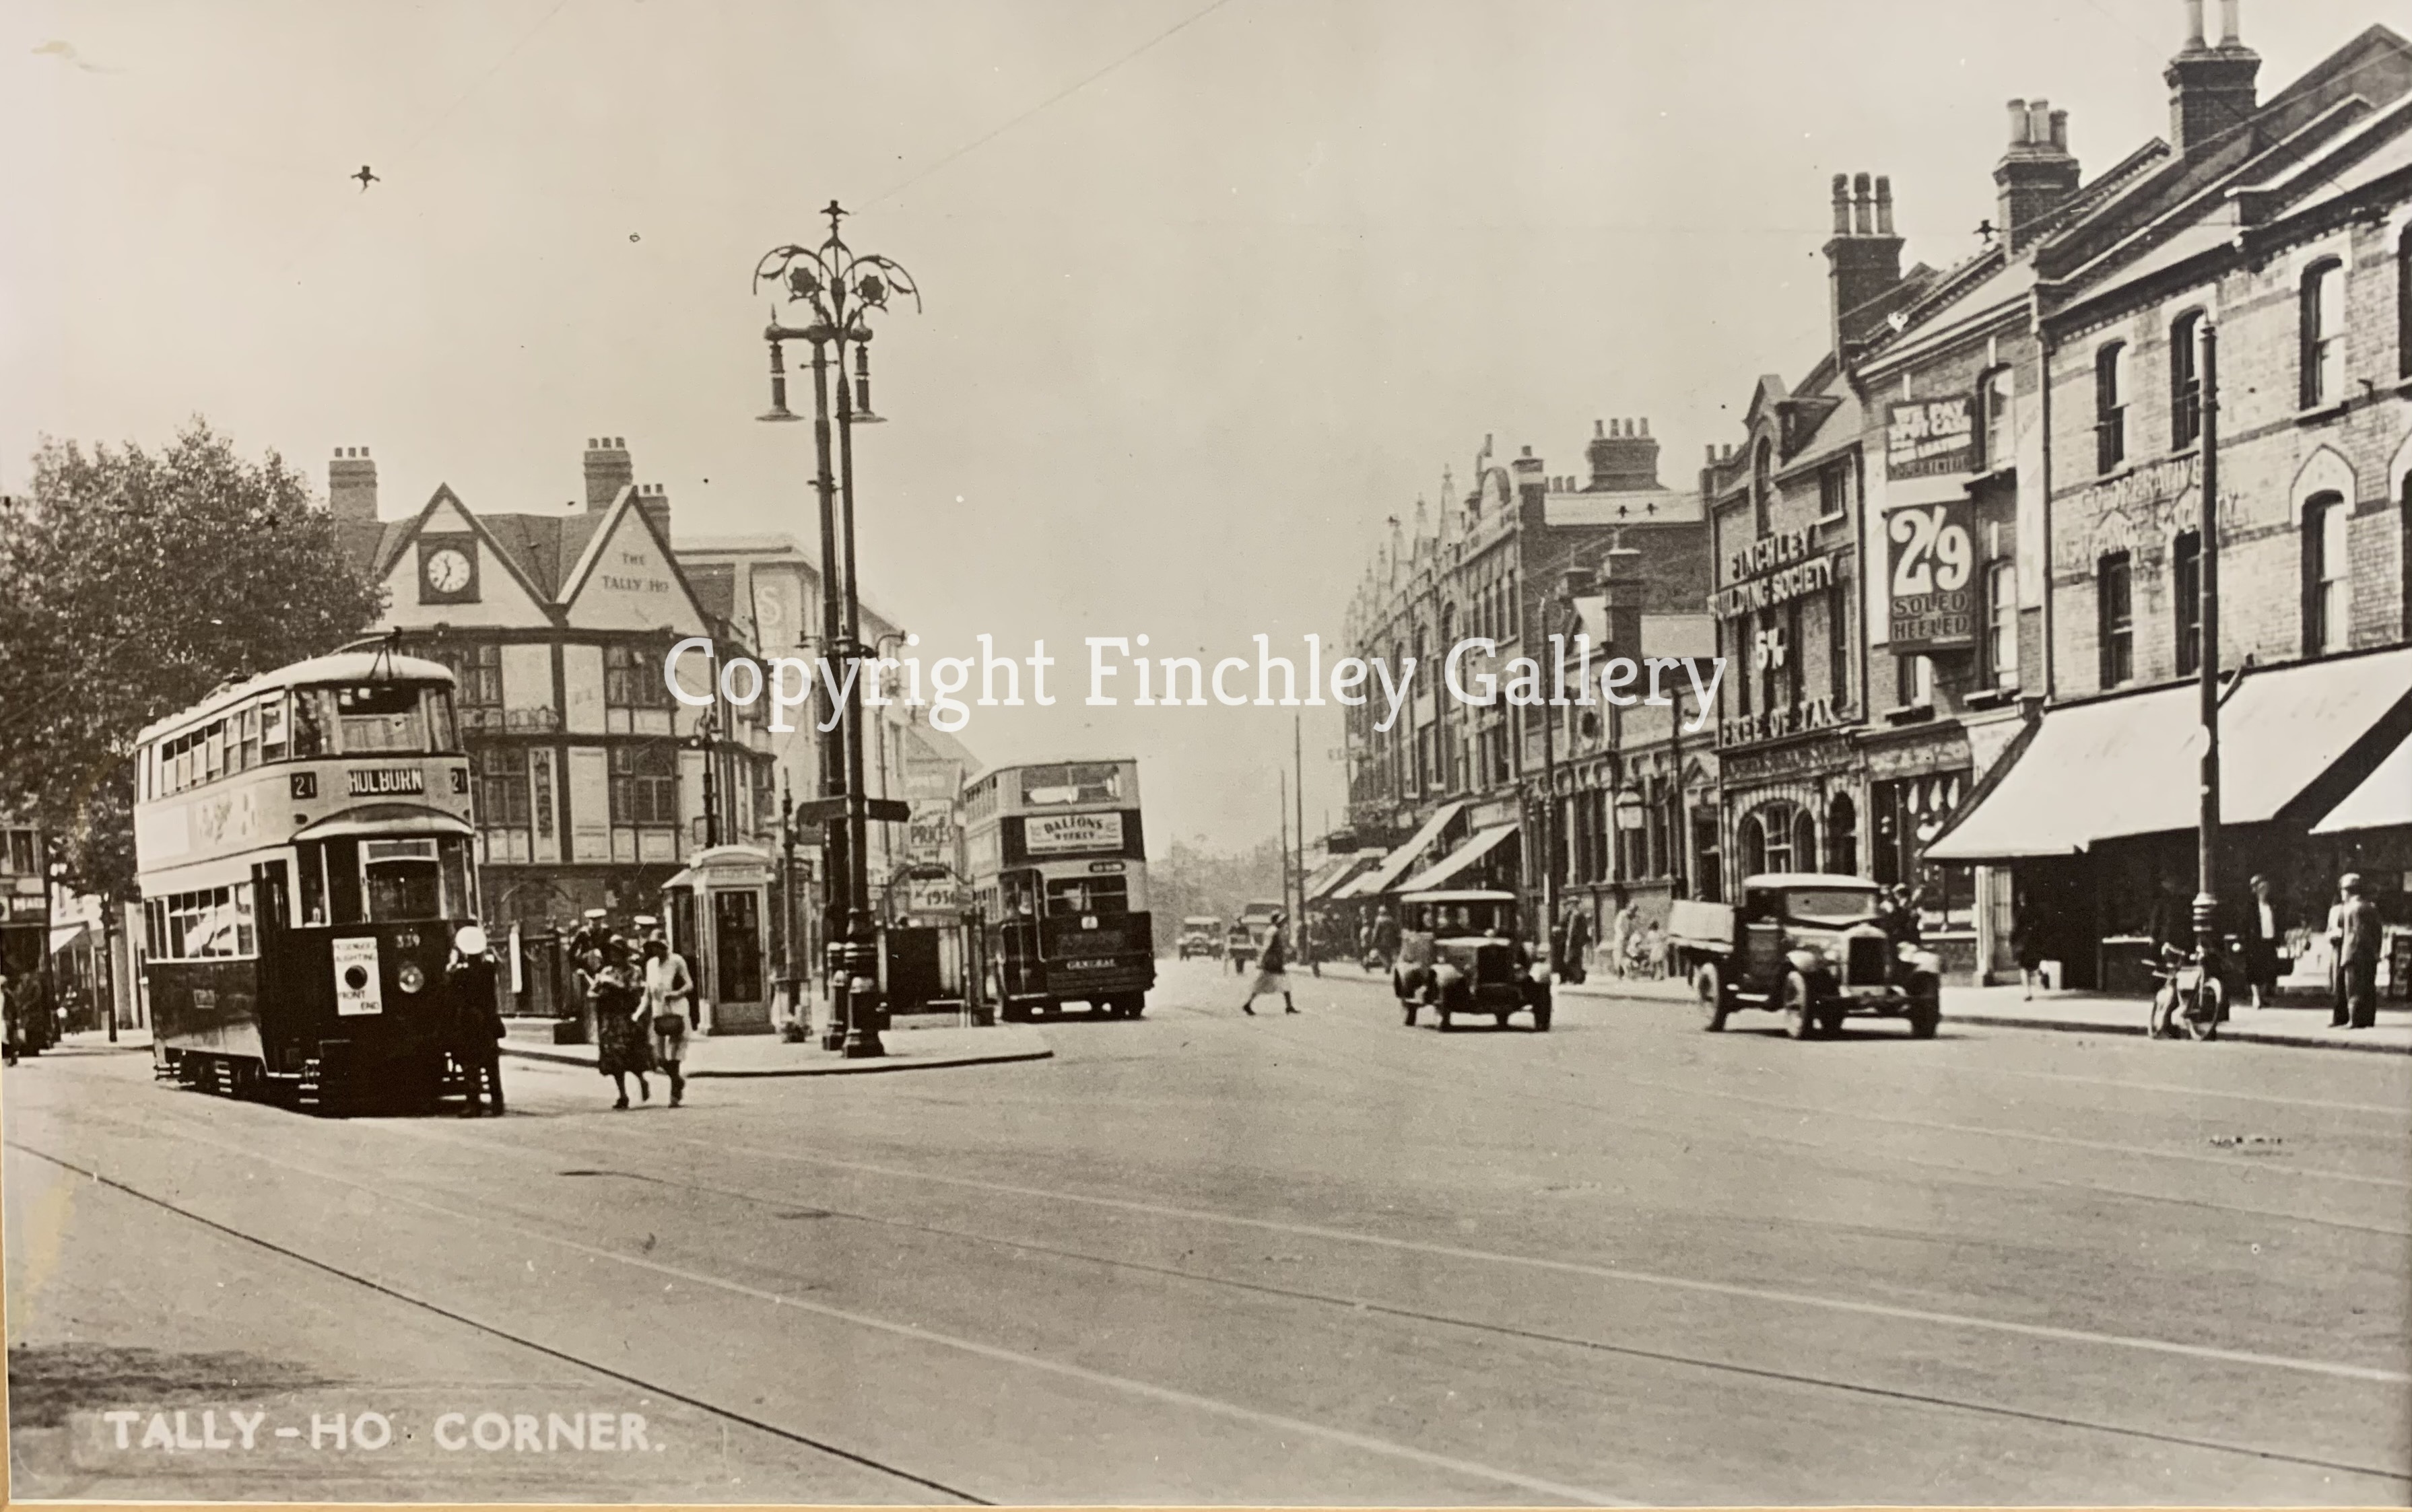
878,810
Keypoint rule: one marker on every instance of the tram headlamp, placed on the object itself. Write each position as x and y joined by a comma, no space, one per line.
470,940
410,978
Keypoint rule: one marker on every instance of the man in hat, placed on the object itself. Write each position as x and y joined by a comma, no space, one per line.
2361,933
2263,941
1271,975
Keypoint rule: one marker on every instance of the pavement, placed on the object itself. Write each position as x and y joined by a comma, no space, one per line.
918,1048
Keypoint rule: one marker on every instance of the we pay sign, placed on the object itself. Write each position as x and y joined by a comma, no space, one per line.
1929,566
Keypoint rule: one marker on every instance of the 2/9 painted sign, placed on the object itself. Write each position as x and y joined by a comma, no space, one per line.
1930,569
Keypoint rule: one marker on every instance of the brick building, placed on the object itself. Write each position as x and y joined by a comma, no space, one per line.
1513,562
2285,224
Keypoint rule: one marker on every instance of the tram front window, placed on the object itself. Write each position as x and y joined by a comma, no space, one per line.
415,879
381,717
1105,896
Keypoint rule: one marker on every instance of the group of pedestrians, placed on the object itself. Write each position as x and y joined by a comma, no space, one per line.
643,999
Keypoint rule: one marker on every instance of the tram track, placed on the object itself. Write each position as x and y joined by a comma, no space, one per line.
1522,1088
538,1149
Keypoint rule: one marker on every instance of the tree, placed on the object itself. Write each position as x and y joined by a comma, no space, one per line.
132,584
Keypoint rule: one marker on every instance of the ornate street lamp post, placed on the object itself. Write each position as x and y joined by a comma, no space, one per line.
836,289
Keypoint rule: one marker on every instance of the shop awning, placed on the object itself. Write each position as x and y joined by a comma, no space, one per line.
2127,766
1459,859
1395,864
1334,873
64,935
2383,801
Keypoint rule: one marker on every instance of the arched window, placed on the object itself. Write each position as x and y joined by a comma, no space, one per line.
2323,328
2110,406
1804,840
1994,420
2001,623
2326,590
2186,380
1763,487
1771,838
1843,836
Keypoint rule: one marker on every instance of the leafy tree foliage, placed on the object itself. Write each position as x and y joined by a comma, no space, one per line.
1192,878
132,582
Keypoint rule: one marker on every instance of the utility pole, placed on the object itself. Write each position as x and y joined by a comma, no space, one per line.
1297,813
2206,897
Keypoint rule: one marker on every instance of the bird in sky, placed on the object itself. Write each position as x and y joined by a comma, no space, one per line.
366,178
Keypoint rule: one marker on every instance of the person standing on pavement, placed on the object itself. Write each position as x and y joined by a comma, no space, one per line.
2027,930
477,1021
1573,965
669,996
620,1034
2263,939
1272,976
2361,936
1386,935
7,1024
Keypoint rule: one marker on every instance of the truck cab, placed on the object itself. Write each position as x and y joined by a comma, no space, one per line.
1815,948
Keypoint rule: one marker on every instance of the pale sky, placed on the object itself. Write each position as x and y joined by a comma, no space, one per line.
1211,289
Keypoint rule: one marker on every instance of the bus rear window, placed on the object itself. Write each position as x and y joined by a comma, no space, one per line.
1079,781
1104,896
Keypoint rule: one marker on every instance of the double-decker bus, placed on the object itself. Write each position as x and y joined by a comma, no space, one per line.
1058,866
302,842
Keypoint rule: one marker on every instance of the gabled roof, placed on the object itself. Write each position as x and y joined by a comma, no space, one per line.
398,535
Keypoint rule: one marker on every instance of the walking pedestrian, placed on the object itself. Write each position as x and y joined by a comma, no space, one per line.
2361,936
2027,930
1620,937
1386,935
618,1006
2263,940
669,996
1270,976
1576,964
477,1021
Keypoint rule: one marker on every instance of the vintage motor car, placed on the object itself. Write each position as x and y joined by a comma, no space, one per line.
1809,945
1246,940
1200,935
1459,957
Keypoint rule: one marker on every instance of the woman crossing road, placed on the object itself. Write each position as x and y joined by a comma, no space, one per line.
1271,975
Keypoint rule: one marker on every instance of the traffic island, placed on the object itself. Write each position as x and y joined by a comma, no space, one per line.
770,1055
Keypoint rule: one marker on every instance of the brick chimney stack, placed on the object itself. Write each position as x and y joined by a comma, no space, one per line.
1621,590
1624,458
655,501
351,486
1863,259
2211,88
608,471
2036,173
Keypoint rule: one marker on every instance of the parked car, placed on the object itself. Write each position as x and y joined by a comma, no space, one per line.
1201,935
1811,945
1459,956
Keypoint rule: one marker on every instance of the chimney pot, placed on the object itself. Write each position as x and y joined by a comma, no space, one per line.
2040,122
2018,121
1863,206
1598,428
1884,207
2194,26
2060,131
2229,34
1841,204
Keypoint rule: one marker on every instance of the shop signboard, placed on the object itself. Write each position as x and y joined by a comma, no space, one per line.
1931,570
1929,437
1054,835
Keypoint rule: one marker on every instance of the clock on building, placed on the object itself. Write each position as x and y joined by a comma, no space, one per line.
448,569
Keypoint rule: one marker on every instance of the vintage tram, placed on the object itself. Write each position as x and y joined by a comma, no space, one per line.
303,849
1058,867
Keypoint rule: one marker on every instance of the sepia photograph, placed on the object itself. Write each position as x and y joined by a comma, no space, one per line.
1259,753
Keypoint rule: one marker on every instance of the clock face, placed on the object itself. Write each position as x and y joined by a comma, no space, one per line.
447,570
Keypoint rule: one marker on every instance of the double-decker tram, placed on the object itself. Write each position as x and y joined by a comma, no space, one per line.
303,849
1058,866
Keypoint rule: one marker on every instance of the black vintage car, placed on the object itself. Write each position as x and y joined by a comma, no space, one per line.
1459,957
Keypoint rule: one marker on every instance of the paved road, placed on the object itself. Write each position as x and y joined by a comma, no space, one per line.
1205,1258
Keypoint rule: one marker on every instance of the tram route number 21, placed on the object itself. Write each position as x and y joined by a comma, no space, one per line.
1933,558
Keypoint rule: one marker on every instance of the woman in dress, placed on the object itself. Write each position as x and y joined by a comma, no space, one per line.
619,1031
669,1000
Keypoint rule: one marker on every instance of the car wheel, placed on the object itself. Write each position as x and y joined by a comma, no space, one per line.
1925,1017
1541,1017
1800,1011
1710,986
1408,1005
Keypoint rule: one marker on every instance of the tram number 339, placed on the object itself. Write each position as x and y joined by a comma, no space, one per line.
1935,552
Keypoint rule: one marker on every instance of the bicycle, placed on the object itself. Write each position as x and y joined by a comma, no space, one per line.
2190,1003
